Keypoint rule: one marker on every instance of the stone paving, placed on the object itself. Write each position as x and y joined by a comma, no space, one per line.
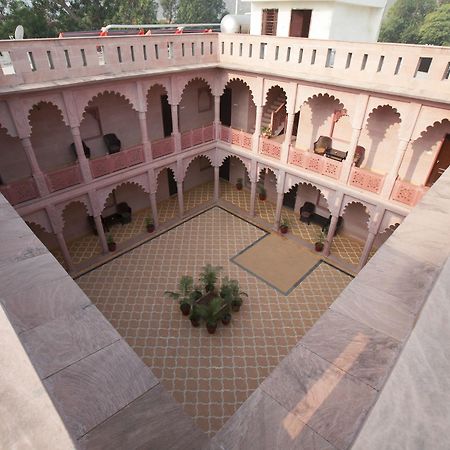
210,375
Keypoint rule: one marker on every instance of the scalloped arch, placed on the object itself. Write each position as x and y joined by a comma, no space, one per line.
159,170
378,108
390,228
163,84
370,209
246,163
51,104
39,225
292,182
187,162
92,99
62,208
430,128
2,127
238,79
193,80
264,167
326,95
104,194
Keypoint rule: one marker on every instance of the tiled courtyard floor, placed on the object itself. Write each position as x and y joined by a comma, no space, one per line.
210,375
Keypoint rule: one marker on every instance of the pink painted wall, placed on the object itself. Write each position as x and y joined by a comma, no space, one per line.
380,138
308,193
50,137
238,170
48,239
116,116
75,221
130,193
13,161
154,115
190,116
199,171
243,110
355,221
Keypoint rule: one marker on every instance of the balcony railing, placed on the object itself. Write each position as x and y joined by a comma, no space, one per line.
408,193
366,180
236,137
63,178
270,148
112,163
197,136
163,147
315,163
20,191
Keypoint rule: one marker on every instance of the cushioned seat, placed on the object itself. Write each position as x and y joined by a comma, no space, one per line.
322,145
87,150
112,143
306,211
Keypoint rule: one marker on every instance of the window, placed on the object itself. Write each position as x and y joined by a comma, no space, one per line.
269,22
423,67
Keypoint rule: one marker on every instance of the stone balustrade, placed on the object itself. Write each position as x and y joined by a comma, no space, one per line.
236,137
366,180
112,163
269,147
20,191
63,178
408,193
197,136
163,147
315,163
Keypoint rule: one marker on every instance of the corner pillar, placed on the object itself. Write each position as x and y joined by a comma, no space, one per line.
180,198
36,171
257,133
216,183
175,128
146,145
154,209
82,160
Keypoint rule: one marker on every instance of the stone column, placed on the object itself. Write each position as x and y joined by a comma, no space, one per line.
36,171
256,134
366,251
216,116
287,138
180,198
154,208
392,175
175,128
330,235
144,136
82,160
101,233
253,197
65,251
216,183
348,162
280,197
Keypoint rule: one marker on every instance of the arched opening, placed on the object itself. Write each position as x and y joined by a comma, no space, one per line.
266,201
50,137
235,183
125,212
159,113
49,240
167,196
318,118
109,125
196,108
380,139
80,233
428,156
13,161
348,244
237,108
274,116
198,183
384,235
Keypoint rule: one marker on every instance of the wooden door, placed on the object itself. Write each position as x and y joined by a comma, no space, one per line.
225,108
269,22
300,22
166,115
442,162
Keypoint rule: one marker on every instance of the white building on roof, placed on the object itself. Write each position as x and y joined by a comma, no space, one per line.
346,20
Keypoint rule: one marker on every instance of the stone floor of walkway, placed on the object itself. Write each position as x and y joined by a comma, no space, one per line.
210,375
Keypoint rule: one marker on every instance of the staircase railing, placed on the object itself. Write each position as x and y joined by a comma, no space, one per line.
278,117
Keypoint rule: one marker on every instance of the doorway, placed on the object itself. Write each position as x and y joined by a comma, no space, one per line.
166,116
224,170
172,183
225,108
290,197
442,162
300,22
269,22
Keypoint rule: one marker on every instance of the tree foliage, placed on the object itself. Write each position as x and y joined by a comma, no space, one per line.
45,18
436,27
404,19
200,11
169,8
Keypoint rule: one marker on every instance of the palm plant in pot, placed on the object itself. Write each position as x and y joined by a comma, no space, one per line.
149,224
236,295
262,193
195,316
284,226
239,184
226,293
319,244
111,243
208,277
212,313
185,294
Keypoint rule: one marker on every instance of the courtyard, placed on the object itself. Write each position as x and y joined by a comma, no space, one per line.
209,375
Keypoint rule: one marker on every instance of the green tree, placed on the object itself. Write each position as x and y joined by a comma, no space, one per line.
200,11
436,27
169,8
136,12
404,19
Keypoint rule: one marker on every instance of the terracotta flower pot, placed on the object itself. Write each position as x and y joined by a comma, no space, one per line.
284,229
185,309
262,197
239,186
226,319
112,246
195,322
151,228
211,327
318,246
235,307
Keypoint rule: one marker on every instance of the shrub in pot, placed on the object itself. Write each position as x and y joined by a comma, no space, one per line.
212,313
231,292
284,226
149,224
208,277
239,184
319,244
226,318
185,294
111,243
262,193
195,316
266,132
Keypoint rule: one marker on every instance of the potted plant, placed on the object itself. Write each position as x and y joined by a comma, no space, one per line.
149,224
284,226
239,184
320,241
262,193
208,277
184,295
236,295
212,313
266,132
226,293
111,244
195,316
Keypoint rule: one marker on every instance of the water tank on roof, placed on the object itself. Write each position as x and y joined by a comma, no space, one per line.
233,23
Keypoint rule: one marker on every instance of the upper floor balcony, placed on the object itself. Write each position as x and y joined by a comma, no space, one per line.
407,70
